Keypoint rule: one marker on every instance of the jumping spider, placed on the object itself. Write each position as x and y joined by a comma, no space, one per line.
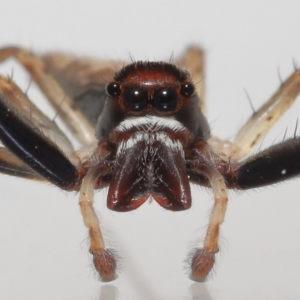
151,139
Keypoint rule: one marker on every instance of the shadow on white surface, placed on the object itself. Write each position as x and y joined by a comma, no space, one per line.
198,291
109,292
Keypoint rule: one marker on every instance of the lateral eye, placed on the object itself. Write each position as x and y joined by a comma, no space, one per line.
135,99
165,99
187,89
113,89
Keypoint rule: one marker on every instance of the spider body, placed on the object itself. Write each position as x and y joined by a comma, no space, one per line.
151,139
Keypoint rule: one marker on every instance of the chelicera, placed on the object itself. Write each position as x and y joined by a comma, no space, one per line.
144,134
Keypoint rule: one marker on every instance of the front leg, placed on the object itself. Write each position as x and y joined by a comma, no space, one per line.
204,168
104,260
24,131
62,103
255,129
30,153
272,165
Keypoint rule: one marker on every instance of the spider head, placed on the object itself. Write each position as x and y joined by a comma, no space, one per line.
151,88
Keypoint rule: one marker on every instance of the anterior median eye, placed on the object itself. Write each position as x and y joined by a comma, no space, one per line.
165,99
135,99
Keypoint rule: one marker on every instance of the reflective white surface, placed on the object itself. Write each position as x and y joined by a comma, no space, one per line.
43,246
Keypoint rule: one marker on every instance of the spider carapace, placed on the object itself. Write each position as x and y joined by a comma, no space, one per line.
144,134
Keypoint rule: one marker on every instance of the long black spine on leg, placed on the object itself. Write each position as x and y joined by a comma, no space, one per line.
29,144
275,164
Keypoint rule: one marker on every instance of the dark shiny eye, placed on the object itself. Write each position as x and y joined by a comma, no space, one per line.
113,89
165,99
187,89
135,99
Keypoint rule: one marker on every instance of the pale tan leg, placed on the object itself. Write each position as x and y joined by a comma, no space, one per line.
262,120
193,60
55,94
75,73
204,258
104,260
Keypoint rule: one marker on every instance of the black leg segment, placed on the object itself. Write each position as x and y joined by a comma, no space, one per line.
30,145
275,164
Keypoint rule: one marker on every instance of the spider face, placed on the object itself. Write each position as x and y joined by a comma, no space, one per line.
155,103
151,140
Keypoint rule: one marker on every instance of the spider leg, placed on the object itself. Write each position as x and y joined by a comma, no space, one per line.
26,108
24,132
204,258
31,152
205,172
272,165
104,259
29,136
193,60
83,79
12,165
74,118
262,120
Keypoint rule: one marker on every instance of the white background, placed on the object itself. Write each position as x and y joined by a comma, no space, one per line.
43,245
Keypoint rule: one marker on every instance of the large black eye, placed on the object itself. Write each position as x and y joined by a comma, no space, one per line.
187,89
135,99
113,89
165,99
